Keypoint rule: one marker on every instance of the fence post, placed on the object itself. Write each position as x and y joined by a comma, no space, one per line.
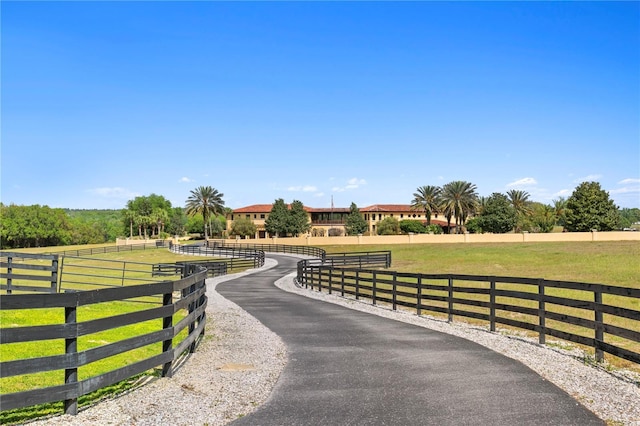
71,347
541,312
373,291
9,271
357,284
167,322
599,325
395,290
450,308
492,304
54,274
419,295
330,280
342,282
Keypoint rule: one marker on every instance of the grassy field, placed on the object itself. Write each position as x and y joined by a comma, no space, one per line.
613,263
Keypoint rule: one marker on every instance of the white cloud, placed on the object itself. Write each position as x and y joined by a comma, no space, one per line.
628,181
185,180
528,181
306,188
319,194
563,193
115,192
588,178
353,183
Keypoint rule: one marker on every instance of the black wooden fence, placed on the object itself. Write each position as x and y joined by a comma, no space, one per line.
183,299
271,248
234,257
595,315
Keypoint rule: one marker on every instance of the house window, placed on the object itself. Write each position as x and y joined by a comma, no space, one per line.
262,216
379,216
401,215
248,216
231,217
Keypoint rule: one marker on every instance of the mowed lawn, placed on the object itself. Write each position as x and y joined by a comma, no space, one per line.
608,262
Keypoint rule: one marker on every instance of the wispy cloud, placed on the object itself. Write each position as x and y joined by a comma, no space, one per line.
563,193
631,185
115,192
588,178
185,180
352,183
628,181
305,188
528,181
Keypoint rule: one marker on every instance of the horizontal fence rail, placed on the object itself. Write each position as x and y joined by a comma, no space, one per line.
599,316
182,301
271,248
28,272
114,249
236,258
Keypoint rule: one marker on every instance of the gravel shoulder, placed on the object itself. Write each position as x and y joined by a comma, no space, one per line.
239,361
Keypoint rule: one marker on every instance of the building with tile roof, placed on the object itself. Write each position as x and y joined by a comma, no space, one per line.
331,221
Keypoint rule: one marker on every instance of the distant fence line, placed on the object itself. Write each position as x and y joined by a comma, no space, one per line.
488,298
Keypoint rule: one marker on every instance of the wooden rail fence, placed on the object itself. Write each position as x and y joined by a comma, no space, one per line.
595,315
182,300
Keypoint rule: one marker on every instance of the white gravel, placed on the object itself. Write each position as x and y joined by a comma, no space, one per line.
237,364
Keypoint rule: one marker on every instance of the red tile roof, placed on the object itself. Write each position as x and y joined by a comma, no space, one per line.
264,208
388,208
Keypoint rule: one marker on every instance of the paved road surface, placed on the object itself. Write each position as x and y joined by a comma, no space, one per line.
351,368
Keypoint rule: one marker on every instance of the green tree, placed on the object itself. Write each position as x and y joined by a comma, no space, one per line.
243,227
205,201
34,226
520,202
560,211
459,200
389,226
276,222
177,222
498,215
412,226
427,199
628,217
298,219
589,207
355,223
543,218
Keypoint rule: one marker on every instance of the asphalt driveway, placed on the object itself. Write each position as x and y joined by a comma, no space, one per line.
352,368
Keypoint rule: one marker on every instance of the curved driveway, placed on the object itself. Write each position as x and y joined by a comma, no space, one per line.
351,368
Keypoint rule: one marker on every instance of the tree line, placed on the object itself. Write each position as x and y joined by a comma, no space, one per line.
589,207
143,217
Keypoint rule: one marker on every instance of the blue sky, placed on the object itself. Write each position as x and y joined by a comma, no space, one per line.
360,101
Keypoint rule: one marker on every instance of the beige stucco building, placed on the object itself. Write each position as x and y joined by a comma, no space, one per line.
325,219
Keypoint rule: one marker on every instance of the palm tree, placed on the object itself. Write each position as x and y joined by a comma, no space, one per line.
560,208
206,201
459,200
520,202
427,199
